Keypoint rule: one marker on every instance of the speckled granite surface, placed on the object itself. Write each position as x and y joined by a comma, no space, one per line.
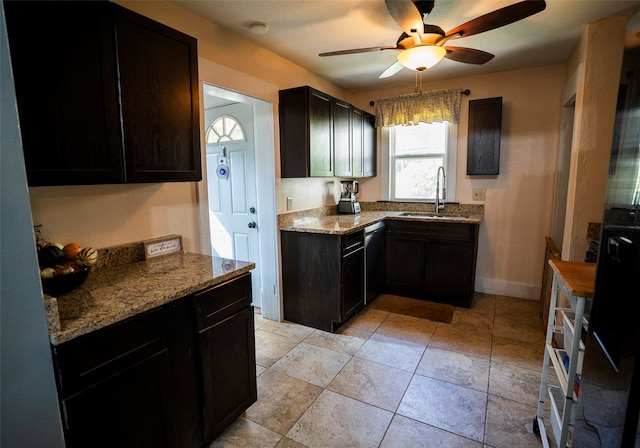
325,219
114,293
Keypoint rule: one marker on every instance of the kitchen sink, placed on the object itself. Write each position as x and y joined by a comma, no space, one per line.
424,215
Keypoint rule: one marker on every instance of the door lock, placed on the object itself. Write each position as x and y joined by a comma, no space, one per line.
252,210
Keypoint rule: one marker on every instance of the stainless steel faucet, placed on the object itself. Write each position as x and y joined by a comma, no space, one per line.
440,206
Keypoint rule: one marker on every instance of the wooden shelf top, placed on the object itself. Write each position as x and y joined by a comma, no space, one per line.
579,278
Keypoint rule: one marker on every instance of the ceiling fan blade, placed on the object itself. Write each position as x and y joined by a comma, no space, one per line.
391,70
499,17
357,50
467,55
405,13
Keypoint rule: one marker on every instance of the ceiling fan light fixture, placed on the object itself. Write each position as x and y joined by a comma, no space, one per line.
422,57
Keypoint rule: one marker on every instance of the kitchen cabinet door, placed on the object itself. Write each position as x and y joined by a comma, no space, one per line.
342,139
227,351
405,264
114,385
226,346
357,142
159,100
105,95
449,272
369,146
66,89
125,410
320,135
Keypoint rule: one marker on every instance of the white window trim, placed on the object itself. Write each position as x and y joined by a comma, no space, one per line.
450,168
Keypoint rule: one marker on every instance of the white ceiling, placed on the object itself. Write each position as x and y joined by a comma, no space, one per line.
301,29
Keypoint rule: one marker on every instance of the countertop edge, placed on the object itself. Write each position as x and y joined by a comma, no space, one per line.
106,319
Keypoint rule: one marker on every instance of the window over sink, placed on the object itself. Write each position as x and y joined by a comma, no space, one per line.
411,156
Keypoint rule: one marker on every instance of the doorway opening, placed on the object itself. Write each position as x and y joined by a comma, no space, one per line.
236,199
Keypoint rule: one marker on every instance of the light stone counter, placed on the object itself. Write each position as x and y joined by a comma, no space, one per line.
324,220
113,294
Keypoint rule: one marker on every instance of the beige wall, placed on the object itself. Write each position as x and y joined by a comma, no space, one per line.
518,201
600,52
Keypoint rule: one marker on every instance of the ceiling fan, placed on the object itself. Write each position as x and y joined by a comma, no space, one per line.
422,45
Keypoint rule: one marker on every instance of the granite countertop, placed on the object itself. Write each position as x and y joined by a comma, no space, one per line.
113,294
341,224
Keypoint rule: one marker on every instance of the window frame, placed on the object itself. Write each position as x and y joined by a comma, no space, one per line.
387,134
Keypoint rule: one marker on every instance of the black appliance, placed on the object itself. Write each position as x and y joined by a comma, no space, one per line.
374,261
609,402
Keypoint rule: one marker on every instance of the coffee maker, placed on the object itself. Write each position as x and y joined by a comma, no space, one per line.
348,203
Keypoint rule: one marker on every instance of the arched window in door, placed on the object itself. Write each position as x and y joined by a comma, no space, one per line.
225,129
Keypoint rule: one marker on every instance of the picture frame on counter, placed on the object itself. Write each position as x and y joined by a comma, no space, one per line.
164,245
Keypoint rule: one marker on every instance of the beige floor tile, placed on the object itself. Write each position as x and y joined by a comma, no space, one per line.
368,320
483,304
288,443
514,383
460,340
454,367
527,330
392,352
315,365
281,401
513,306
259,321
244,433
334,420
407,328
404,432
270,347
446,406
259,370
288,329
518,353
472,321
346,341
371,382
510,424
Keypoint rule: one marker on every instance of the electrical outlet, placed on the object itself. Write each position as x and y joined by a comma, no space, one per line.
478,194
289,203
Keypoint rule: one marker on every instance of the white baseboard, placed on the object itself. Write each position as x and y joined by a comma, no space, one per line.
507,288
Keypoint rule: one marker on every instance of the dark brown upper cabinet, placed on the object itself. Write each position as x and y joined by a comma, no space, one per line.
483,145
105,95
321,136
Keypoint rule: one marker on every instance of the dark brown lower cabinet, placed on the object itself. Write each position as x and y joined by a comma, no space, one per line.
323,277
226,344
433,261
160,378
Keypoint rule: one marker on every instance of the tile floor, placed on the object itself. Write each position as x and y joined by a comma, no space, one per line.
388,380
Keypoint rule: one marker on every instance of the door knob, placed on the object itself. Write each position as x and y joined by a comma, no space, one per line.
252,225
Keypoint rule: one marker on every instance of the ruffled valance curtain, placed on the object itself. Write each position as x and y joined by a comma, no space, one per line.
426,107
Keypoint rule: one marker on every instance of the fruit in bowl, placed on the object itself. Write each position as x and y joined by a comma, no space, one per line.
63,283
65,268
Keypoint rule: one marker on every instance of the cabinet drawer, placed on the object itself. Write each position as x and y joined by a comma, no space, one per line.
89,359
352,242
442,231
222,301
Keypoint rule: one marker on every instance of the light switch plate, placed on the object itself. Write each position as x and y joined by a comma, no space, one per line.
289,203
478,194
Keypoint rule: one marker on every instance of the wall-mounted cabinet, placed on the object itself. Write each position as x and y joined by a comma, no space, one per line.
483,144
104,95
321,136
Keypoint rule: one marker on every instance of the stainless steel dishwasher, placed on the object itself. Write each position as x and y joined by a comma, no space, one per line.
374,260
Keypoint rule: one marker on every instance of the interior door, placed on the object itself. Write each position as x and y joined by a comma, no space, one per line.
232,187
